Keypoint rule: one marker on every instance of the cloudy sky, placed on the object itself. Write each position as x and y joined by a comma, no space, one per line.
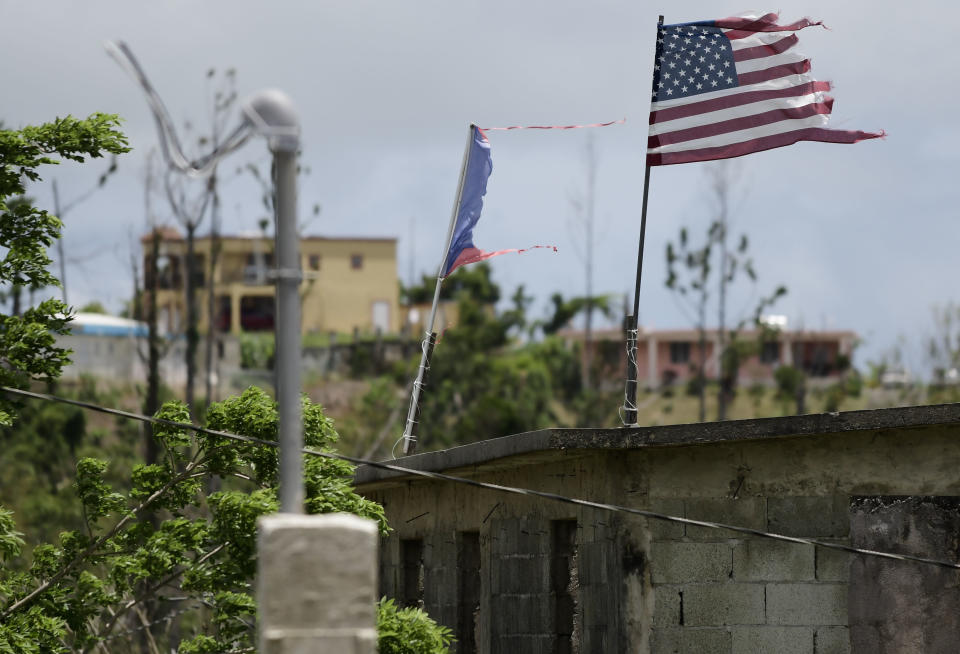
864,236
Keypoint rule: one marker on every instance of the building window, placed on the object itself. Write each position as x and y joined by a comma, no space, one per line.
680,352
564,585
256,313
411,573
468,591
356,261
770,352
314,262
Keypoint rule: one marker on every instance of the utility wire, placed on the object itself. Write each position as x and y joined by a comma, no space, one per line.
495,487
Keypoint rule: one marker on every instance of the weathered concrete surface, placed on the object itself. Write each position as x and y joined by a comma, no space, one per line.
316,584
652,587
903,607
535,443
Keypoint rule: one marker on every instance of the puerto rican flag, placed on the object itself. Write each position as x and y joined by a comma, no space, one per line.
479,166
729,87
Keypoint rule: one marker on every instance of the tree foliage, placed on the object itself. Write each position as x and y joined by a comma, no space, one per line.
563,311
409,631
468,281
482,384
83,589
943,345
28,341
691,268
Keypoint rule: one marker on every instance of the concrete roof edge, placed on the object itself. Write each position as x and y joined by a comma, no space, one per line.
461,456
483,452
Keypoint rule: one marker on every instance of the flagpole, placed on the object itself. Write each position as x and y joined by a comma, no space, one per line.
410,429
630,393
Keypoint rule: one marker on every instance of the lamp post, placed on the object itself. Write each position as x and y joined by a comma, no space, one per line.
271,114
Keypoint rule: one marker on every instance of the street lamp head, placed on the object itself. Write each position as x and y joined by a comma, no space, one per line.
272,114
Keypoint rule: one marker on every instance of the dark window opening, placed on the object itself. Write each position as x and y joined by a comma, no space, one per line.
356,261
680,352
168,273
468,592
817,359
199,271
411,573
770,352
256,313
224,314
314,262
564,586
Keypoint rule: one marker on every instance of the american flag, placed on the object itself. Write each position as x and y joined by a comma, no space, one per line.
729,87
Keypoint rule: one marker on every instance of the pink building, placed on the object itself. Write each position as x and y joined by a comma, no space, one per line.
665,356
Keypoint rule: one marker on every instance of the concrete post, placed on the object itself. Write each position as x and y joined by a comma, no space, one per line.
786,350
235,328
317,584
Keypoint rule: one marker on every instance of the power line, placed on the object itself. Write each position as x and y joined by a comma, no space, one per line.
615,508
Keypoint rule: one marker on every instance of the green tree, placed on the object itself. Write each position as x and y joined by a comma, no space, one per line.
482,383
690,271
943,345
473,281
94,307
563,311
791,387
688,274
28,341
409,631
86,588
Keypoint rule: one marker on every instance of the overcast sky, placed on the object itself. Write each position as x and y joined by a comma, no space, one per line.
864,236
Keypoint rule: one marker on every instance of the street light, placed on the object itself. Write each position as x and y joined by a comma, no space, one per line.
271,114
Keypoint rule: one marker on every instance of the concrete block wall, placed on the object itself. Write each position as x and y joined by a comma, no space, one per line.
650,586
519,574
517,608
720,592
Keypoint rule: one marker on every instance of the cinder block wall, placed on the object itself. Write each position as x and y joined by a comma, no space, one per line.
517,608
650,586
717,591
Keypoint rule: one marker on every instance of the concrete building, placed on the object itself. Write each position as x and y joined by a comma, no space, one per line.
103,346
523,574
109,347
665,356
350,283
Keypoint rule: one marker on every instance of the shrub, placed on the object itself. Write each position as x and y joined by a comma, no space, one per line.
409,631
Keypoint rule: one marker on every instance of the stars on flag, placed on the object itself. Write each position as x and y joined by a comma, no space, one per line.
687,49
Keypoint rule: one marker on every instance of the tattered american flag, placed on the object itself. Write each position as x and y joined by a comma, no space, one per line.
729,87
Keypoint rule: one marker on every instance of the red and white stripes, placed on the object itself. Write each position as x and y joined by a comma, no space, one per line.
776,103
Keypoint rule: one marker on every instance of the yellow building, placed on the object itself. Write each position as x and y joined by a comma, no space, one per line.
349,283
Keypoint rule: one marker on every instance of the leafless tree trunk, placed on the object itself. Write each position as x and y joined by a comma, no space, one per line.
151,284
190,215
701,362
211,295
721,189
152,400
193,334
584,215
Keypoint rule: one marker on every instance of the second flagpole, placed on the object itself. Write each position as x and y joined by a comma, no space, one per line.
410,428
629,416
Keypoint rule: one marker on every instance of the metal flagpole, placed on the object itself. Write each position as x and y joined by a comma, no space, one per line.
630,404
409,430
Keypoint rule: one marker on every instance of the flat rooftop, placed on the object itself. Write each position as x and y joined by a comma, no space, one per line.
484,454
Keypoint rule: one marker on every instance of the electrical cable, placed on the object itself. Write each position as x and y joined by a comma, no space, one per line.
614,508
